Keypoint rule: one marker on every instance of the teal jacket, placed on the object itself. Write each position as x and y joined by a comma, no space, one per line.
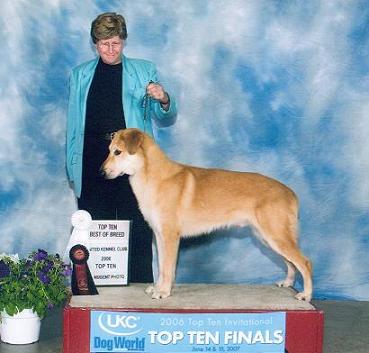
137,74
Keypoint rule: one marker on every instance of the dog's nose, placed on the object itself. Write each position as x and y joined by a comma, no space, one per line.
102,171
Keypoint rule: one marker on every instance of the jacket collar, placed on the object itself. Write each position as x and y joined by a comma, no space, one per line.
128,72
126,63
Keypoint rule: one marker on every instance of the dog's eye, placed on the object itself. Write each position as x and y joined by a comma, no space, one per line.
117,152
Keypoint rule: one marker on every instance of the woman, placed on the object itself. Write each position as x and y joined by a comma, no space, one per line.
109,93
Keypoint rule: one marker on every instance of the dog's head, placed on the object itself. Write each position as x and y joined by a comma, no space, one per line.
124,154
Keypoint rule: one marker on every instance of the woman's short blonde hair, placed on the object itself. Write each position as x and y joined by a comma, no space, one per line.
108,25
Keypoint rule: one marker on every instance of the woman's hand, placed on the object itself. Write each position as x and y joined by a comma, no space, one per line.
156,91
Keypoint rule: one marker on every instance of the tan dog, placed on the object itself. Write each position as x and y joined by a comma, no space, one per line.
180,200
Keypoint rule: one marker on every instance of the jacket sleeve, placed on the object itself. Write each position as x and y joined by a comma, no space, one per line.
71,127
162,117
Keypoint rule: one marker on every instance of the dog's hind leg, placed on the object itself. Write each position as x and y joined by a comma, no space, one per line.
168,244
290,278
294,258
278,230
303,265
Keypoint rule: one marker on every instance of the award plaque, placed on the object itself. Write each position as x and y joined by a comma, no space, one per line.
109,246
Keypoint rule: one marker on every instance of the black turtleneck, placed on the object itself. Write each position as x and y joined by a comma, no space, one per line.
104,115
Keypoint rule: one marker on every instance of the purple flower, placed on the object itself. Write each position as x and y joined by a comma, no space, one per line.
4,269
27,269
50,306
48,266
40,255
67,270
43,277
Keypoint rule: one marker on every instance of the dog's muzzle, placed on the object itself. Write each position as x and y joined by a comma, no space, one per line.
102,171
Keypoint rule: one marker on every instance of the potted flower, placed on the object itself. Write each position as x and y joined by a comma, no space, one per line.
29,288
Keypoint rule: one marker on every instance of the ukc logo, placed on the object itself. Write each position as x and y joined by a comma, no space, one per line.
119,324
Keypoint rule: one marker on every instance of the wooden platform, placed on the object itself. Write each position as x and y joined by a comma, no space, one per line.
304,324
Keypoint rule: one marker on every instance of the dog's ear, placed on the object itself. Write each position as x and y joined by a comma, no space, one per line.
133,141
110,136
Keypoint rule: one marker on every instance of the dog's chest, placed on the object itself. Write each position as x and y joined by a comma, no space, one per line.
146,201
151,214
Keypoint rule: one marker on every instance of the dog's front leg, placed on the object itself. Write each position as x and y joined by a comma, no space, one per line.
167,244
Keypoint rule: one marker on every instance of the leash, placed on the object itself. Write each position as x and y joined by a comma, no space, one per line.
145,103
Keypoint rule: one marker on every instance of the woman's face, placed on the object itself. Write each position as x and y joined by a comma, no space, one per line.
110,50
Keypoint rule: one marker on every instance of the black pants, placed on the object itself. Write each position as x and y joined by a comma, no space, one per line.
114,200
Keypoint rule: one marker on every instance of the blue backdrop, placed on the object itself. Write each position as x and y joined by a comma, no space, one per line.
277,87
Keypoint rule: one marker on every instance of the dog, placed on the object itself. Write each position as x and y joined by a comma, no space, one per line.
179,200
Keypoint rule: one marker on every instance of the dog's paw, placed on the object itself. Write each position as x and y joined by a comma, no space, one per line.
156,292
303,296
149,289
159,293
285,283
